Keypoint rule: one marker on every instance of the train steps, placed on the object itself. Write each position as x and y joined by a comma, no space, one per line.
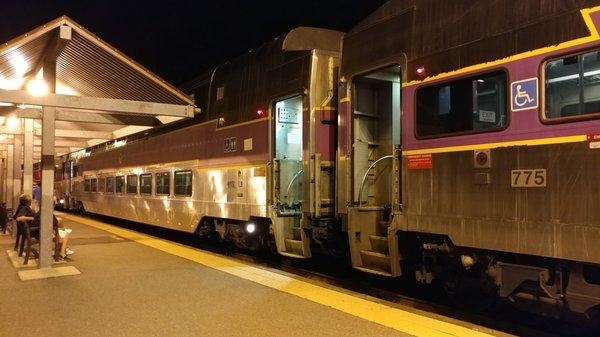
375,263
377,259
294,246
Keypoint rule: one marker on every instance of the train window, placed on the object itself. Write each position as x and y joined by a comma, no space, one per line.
146,183
94,185
183,183
468,105
163,183
101,184
86,185
110,185
572,87
132,184
120,184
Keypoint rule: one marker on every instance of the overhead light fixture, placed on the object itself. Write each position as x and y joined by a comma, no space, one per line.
250,228
37,87
12,122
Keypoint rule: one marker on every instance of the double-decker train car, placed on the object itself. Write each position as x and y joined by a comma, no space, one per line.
254,164
464,151
467,148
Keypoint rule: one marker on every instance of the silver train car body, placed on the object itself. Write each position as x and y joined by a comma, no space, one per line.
253,176
314,171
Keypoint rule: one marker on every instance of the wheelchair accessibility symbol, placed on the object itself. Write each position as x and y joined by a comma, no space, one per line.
524,94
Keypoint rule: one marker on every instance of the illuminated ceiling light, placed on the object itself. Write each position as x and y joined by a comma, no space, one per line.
37,87
13,122
250,228
421,71
19,64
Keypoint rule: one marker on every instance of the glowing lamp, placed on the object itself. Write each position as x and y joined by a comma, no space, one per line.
250,228
12,122
37,87
421,71
260,113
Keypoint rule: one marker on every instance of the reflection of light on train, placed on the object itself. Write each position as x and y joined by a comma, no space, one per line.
431,177
215,180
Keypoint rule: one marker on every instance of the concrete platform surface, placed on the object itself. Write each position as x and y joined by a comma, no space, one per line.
135,285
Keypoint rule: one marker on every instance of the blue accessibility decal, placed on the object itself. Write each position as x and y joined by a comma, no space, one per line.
524,94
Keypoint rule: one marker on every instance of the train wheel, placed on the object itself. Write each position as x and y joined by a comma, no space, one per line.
473,290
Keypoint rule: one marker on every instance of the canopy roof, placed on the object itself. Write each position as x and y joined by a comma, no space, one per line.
86,66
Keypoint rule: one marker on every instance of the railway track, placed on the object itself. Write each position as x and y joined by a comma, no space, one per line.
502,317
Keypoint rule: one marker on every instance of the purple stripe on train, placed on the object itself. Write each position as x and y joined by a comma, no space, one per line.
523,125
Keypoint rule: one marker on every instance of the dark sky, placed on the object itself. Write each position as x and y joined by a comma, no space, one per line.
179,39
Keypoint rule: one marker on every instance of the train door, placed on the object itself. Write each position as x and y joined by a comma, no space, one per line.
288,176
375,171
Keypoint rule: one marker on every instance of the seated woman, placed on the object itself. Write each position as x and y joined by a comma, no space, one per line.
25,213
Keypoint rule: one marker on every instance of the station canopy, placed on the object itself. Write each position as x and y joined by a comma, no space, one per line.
100,94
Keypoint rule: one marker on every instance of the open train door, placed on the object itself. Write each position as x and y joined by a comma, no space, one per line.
288,176
304,159
375,175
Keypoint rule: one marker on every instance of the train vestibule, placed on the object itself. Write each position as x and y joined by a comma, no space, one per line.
303,179
375,179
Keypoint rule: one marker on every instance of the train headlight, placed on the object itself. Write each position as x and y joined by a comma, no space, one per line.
250,228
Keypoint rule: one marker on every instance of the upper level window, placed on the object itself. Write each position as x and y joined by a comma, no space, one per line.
86,185
110,184
572,86
146,183
101,184
132,184
183,183
467,105
94,185
163,183
120,184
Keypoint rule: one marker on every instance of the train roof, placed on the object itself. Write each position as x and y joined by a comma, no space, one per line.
449,35
297,40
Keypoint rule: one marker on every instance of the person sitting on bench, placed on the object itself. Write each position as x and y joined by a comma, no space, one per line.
25,213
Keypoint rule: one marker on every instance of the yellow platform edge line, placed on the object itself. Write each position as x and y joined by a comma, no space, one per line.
397,319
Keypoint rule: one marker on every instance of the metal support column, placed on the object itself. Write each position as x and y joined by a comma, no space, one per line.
28,157
2,179
17,171
9,177
47,202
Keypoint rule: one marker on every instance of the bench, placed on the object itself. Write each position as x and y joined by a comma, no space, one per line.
27,236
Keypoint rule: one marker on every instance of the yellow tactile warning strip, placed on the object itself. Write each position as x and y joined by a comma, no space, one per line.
395,318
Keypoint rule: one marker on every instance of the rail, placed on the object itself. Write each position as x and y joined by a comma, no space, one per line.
287,190
364,179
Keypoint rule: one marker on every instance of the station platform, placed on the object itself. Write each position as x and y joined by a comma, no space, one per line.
132,284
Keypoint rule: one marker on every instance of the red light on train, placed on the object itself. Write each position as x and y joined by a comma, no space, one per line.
260,113
421,71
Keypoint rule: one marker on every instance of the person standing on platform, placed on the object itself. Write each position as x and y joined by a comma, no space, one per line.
37,196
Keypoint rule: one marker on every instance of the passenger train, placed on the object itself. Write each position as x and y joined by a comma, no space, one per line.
431,141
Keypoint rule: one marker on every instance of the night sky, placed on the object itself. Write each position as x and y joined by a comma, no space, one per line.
180,39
